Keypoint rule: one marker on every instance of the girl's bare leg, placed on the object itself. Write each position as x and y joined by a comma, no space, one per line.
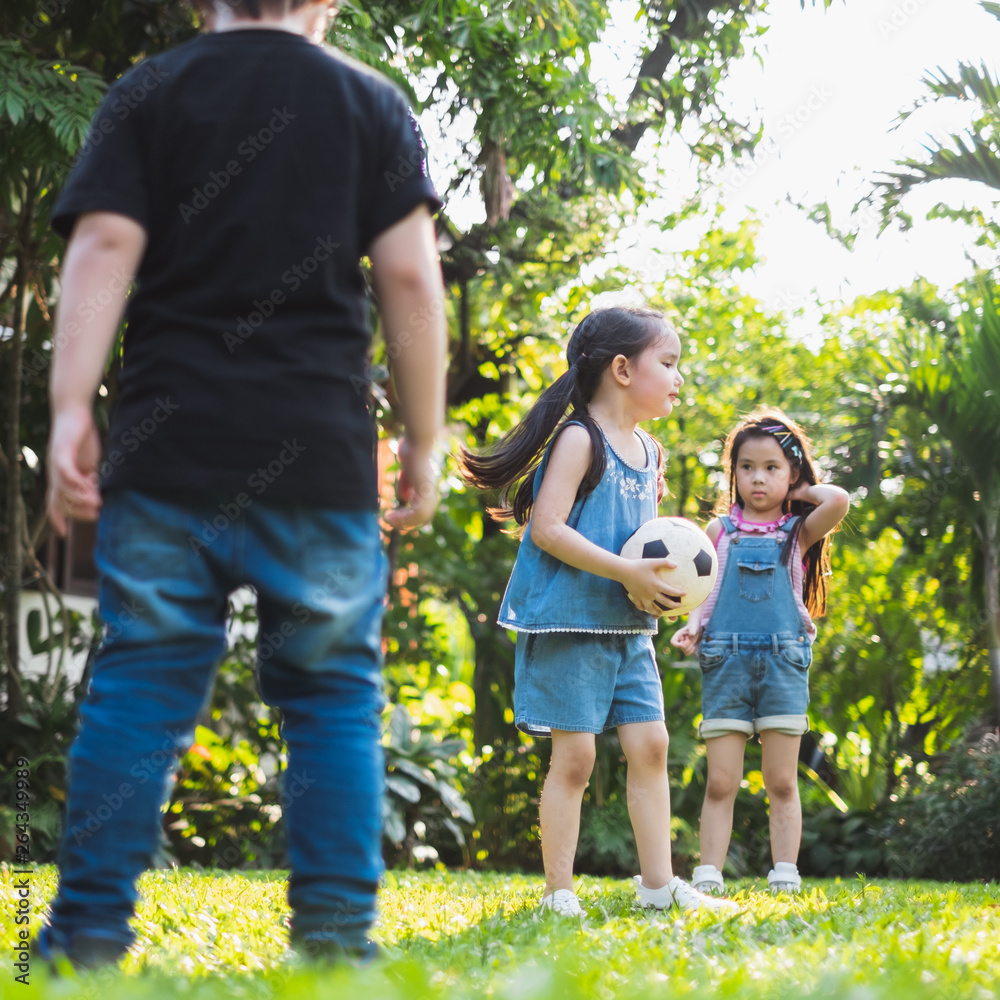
645,746
781,780
572,762
725,772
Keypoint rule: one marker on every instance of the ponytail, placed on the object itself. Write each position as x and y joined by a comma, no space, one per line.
519,452
511,465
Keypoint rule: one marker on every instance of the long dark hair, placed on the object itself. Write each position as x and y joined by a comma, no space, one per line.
510,466
770,422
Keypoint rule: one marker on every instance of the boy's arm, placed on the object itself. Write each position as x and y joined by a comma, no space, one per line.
407,278
101,260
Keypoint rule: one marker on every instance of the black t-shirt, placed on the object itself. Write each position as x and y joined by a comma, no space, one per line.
262,166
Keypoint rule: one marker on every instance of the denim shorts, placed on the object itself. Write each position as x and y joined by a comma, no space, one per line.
584,682
752,681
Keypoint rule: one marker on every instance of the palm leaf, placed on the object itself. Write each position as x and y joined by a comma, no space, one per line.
972,158
972,155
971,83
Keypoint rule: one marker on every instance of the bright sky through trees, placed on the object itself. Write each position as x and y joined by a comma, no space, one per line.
828,87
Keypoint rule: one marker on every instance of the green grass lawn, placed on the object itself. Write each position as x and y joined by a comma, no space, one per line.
458,935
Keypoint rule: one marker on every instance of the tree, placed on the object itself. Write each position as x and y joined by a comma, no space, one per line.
45,107
951,367
950,377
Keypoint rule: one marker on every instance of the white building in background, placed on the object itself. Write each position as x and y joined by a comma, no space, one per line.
70,565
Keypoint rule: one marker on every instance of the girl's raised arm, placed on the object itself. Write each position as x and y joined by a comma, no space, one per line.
832,504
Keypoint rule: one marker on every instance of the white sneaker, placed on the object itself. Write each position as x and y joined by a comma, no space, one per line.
678,893
708,879
563,902
784,877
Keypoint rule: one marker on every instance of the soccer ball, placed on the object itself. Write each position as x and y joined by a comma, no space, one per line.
684,542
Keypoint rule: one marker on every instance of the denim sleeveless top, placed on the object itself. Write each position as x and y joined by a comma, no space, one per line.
756,593
547,595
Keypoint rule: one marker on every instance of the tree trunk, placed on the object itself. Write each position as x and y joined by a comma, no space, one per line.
492,684
991,588
14,554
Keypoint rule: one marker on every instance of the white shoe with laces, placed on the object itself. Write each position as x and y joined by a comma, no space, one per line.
563,902
708,879
784,877
678,893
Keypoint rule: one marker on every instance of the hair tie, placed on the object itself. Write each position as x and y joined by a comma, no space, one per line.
785,438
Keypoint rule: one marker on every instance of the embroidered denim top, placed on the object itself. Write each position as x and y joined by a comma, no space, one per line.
756,592
547,595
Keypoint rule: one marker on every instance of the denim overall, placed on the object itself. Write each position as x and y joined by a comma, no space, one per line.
755,653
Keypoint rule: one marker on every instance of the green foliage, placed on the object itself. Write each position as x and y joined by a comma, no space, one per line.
41,733
503,788
45,108
948,826
223,810
842,843
607,845
423,799
874,697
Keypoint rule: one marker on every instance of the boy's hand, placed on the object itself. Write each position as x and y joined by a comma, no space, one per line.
416,488
644,585
74,451
686,638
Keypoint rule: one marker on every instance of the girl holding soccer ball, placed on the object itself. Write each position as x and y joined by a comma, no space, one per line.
754,633
584,657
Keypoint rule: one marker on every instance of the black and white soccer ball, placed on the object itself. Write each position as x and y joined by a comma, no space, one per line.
684,542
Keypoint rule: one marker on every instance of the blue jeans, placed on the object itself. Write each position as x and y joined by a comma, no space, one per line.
166,570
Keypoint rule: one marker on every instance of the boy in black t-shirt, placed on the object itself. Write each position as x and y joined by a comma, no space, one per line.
239,178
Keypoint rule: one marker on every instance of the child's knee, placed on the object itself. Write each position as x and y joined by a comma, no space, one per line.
574,766
721,787
650,749
784,788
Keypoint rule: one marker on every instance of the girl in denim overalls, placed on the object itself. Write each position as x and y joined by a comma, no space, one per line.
584,658
756,633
